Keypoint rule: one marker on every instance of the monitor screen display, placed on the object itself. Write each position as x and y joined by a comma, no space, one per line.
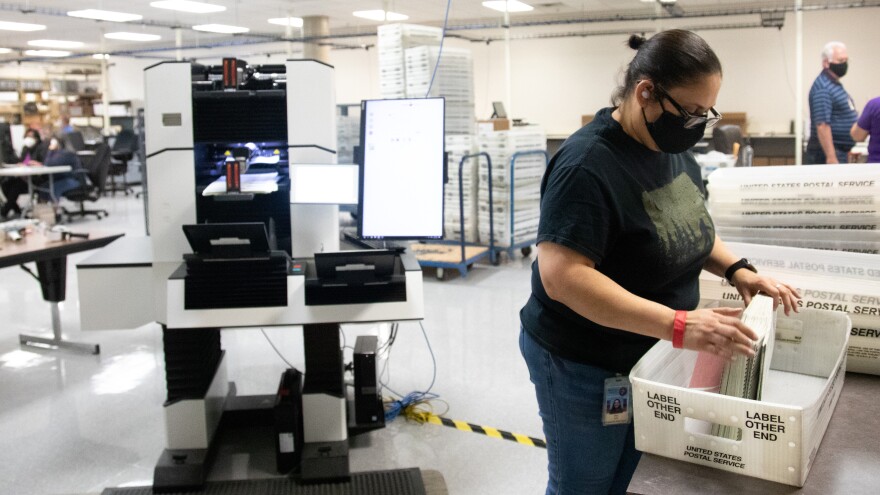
498,110
401,194
333,184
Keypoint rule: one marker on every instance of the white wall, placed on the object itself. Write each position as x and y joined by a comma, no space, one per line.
554,81
125,78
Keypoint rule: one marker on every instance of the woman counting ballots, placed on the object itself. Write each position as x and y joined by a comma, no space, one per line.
623,236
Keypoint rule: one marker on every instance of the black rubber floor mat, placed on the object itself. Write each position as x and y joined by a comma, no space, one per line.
393,482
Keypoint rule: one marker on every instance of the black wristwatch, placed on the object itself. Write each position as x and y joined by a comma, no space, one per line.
743,263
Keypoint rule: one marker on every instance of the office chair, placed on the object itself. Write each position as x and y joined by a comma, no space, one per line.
74,141
728,139
724,136
122,151
92,177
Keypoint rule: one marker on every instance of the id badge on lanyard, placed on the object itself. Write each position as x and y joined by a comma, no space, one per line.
617,403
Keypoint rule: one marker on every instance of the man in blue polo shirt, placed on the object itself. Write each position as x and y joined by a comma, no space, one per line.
832,111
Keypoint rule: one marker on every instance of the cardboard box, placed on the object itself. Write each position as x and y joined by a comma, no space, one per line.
780,434
493,125
586,119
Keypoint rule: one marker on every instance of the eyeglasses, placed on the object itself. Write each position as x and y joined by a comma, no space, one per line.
691,120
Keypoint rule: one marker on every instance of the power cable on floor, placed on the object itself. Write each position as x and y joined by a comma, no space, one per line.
413,399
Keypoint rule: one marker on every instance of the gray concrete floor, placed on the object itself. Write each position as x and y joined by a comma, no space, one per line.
75,424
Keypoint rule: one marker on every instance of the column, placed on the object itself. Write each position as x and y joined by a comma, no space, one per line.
316,26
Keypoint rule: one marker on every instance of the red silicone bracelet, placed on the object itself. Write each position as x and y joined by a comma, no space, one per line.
678,329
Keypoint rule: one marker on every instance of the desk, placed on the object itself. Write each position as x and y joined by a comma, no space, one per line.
30,172
847,460
773,150
51,259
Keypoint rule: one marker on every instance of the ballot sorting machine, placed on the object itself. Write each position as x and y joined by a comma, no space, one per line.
251,258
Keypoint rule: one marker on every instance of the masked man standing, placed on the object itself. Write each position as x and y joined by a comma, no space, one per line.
832,110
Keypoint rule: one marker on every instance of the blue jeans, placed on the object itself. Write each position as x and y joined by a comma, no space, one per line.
585,457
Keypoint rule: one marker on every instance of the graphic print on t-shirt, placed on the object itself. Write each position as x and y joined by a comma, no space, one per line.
680,217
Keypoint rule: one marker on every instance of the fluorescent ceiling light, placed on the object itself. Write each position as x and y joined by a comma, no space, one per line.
287,21
132,36
20,26
221,28
394,16
101,56
188,6
380,15
105,15
5,50
55,43
508,6
47,53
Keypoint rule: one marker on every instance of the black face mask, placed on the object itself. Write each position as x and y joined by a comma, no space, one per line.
838,70
669,133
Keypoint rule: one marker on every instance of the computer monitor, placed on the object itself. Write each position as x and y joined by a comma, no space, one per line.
498,111
17,131
324,183
402,164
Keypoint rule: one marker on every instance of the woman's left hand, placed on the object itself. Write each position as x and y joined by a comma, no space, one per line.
749,283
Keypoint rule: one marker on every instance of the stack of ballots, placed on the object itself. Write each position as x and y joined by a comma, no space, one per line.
845,282
453,80
524,198
835,208
743,377
393,41
456,148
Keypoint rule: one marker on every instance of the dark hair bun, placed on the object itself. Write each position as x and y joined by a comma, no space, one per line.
635,41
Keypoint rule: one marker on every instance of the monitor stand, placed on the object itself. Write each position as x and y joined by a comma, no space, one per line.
396,246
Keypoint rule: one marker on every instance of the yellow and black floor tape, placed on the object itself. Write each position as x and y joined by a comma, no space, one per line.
485,430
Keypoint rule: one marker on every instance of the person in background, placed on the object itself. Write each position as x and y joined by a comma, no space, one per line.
622,238
63,182
32,154
869,125
65,126
832,110
34,149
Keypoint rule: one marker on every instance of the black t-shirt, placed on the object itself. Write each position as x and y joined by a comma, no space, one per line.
640,215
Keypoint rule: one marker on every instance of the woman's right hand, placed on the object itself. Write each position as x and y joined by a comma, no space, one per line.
718,331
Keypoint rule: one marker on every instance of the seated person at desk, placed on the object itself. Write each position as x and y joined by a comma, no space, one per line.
62,182
33,153
64,126
869,125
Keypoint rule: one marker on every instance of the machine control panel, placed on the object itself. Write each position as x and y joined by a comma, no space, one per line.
297,267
